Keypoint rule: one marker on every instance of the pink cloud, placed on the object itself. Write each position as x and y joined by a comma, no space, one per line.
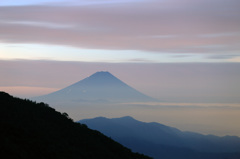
24,91
161,26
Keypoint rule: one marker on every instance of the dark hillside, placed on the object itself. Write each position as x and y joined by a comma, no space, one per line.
34,130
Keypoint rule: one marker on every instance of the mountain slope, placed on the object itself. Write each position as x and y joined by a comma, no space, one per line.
34,130
99,87
159,140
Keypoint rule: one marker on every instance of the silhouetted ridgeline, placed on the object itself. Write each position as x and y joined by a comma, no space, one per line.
36,131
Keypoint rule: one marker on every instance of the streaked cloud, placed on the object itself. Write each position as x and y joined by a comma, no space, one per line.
157,105
224,56
159,26
23,91
63,53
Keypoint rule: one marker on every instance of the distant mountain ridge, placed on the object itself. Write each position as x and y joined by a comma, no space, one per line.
162,141
99,87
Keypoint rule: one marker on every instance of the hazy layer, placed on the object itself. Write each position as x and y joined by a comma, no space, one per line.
218,119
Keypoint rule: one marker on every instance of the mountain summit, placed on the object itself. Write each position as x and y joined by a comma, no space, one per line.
99,87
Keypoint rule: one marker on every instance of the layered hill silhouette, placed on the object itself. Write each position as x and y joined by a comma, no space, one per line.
100,87
35,130
162,141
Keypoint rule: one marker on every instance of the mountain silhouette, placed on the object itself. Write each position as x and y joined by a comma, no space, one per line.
161,141
35,130
99,87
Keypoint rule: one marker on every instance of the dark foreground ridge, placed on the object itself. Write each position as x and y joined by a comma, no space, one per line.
35,130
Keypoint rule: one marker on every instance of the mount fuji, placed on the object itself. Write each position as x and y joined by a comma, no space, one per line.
101,87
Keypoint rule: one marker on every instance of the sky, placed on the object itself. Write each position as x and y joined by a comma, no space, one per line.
121,31
178,51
